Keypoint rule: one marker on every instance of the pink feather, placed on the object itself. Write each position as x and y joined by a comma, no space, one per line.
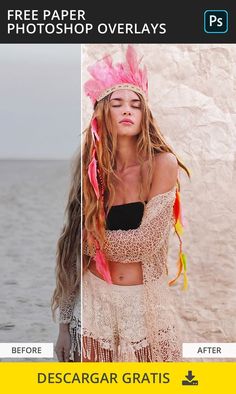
94,127
92,173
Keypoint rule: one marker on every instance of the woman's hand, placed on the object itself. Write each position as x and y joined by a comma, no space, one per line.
63,344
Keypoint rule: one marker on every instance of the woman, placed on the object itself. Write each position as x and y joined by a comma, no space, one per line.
130,199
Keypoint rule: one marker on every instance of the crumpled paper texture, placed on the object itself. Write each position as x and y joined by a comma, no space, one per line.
192,94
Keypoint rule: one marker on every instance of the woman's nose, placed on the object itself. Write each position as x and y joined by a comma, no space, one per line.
127,111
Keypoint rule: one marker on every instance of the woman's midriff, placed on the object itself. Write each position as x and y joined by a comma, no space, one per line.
124,274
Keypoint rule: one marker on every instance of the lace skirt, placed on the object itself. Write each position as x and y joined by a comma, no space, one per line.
114,325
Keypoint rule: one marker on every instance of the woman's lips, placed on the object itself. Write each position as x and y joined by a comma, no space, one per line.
126,121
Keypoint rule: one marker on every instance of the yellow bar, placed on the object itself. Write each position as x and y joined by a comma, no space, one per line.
49,377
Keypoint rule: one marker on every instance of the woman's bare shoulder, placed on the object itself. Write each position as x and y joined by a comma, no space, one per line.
165,159
165,173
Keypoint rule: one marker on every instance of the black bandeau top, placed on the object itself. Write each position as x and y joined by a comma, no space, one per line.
125,217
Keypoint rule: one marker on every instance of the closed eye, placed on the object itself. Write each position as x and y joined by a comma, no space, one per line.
132,106
117,102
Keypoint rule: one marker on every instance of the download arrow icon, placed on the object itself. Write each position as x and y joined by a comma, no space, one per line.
190,376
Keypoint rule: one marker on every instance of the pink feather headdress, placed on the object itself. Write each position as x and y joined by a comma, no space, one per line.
108,77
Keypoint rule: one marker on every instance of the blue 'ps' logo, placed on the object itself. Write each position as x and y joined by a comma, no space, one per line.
215,21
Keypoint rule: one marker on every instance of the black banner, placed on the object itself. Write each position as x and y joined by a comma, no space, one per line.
118,22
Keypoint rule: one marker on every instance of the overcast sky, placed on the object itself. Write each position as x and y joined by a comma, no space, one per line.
39,101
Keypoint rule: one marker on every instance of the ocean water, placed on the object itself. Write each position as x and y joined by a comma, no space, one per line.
33,196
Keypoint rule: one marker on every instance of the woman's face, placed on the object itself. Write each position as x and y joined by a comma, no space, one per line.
126,113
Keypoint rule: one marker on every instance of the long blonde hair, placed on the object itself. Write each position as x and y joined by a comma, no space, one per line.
150,141
68,252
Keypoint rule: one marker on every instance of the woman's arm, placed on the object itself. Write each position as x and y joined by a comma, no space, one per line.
63,343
